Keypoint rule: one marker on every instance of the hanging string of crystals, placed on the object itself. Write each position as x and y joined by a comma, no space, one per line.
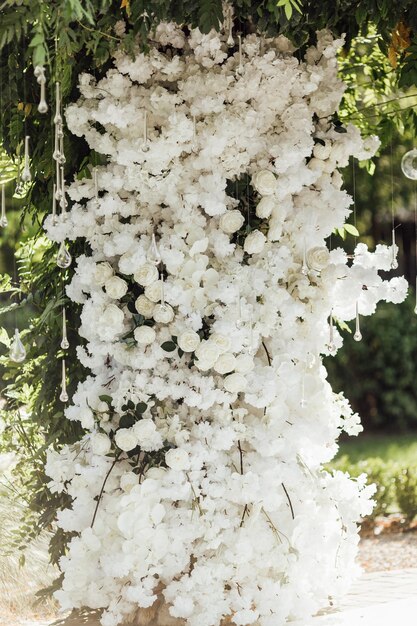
394,262
415,233
229,26
17,351
64,341
26,174
3,217
358,335
64,394
40,77
145,145
331,345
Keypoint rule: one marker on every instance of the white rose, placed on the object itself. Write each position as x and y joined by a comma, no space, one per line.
163,313
125,439
129,480
146,274
244,363
144,335
318,258
225,363
177,459
322,152
100,444
156,473
110,323
235,383
147,436
144,306
231,221
189,341
254,242
222,342
264,182
154,292
102,272
116,287
207,354
265,206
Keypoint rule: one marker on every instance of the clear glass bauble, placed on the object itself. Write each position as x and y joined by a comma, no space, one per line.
409,164
63,258
17,349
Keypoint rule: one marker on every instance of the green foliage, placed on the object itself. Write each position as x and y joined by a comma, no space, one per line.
377,374
406,491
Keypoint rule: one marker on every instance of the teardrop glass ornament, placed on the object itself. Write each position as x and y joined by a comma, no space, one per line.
304,267
409,164
239,320
64,342
54,205
394,262
58,116
40,76
358,335
145,146
17,349
96,191
26,174
153,255
3,217
240,56
58,183
63,258
64,395
56,153
63,200
331,347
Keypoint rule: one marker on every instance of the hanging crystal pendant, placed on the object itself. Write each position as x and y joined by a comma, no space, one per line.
3,217
54,205
95,181
40,76
17,349
239,37
239,318
331,345
63,258
415,308
358,335
61,158
145,146
394,262
58,193
56,153
153,255
193,141
304,267
19,187
303,402
58,116
26,175
64,395
63,200
64,342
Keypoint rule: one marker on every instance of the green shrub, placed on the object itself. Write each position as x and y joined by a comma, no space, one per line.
406,491
377,374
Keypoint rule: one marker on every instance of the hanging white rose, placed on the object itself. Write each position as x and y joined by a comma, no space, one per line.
144,306
116,287
177,459
234,383
265,182
154,291
254,242
207,353
318,258
231,221
189,341
146,274
125,439
163,313
102,273
265,206
144,335
148,437
100,444
225,363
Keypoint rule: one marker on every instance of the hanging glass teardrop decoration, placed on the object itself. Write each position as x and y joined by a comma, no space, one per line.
145,146
394,262
409,164
153,254
54,205
239,320
240,68
19,186
61,158
358,335
26,174
58,116
331,347
64,395
40,76
193,141
64,342
58,194
63,200
63,258
95,182
3,217
56,153
304,267
17,349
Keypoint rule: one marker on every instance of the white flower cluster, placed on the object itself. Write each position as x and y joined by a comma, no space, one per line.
214,320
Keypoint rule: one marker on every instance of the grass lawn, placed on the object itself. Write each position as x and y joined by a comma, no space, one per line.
401,447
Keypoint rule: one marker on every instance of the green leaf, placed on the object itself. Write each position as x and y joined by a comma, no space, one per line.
169,346
107,399
141,407
351,229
